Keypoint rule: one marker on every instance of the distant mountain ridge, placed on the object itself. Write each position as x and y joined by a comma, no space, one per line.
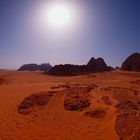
35,67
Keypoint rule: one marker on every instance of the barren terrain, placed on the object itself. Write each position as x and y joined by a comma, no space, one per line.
99,106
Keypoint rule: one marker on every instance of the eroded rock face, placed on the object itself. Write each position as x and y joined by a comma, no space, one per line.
132,63
34,101
123,94
127,124
76,99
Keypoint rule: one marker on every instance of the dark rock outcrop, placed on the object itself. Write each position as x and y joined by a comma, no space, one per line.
132,63
35,67
127,124
34,101
67,70
97,113
94,65
76,99
97,65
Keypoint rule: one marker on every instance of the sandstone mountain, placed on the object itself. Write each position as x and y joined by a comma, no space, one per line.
97,64
68,70
35,67
94,65
132,63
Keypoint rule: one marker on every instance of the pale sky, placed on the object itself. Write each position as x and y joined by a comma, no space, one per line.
97,28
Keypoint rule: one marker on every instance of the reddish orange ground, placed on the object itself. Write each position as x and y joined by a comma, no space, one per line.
54,122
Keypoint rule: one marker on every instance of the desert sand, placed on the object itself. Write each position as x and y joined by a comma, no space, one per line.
112,109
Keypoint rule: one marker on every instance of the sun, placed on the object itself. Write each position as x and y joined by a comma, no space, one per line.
59,15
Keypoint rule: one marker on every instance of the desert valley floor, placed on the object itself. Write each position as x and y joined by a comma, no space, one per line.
111,112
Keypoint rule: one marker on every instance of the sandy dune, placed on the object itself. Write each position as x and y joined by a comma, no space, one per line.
114,100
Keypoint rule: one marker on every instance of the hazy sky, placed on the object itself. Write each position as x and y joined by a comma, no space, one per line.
99,28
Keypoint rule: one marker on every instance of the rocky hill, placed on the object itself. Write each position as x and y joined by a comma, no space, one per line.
94,65
97,65
35,67
68,70
132,63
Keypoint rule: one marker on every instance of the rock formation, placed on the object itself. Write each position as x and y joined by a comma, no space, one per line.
132,63
68,70
35,67
97,65
94,65
34,101
127,124
77,98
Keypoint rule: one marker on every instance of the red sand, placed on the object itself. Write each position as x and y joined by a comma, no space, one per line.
53,122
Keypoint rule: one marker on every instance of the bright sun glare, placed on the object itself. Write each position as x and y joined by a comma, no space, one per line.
59,15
